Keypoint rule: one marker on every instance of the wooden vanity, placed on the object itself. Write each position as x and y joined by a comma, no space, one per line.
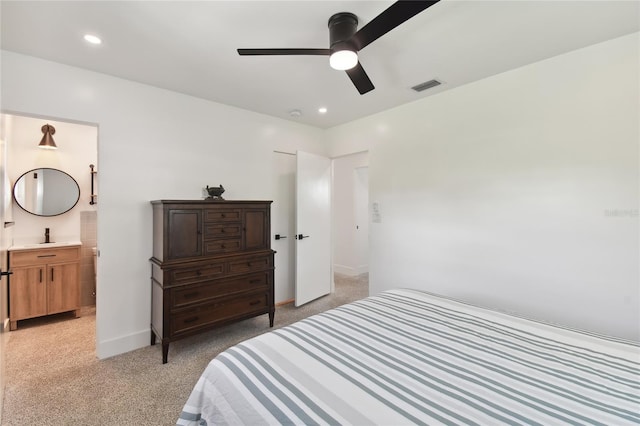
45,281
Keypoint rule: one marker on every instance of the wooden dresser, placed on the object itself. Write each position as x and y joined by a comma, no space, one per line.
212,265
45,280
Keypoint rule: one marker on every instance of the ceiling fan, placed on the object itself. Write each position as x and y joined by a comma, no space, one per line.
345,41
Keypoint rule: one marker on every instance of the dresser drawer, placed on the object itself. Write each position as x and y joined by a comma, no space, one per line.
222,215
185,296
249,264
44,255
227,230
197,273
217,312
222,246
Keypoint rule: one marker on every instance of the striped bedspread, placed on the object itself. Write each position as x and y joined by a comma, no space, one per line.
407,357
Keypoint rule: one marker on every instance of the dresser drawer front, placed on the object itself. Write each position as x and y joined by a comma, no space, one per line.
199,273
44,255
222,246
250,264
222,215
185,296
230,230
218,312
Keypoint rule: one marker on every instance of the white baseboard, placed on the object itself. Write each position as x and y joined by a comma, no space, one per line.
120,345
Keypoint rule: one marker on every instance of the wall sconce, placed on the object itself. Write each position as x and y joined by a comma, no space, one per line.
47,141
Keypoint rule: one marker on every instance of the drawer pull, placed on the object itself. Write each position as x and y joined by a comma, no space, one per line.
190,295
254,281
190,320
221,245
198,272
223,215
249,264
254,303
46,255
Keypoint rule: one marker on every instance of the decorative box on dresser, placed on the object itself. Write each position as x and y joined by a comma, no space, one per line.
212,265
45,281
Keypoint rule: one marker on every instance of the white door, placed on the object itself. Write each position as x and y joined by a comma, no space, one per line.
283,225
313,227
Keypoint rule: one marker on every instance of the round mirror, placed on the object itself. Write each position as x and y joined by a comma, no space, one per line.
46,192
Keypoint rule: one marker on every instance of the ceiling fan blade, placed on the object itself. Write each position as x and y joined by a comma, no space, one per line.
395,15
360,79
244,52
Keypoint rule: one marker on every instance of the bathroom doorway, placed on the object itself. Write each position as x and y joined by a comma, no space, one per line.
75,155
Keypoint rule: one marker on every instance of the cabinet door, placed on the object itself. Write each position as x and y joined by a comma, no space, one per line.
256,229
28,290
63,287
184,233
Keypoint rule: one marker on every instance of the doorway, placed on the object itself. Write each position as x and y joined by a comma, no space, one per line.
77,151
301,227
351,217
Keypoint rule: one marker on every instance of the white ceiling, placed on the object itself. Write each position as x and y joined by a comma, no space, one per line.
190,47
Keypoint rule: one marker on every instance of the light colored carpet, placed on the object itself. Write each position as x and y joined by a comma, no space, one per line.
54,377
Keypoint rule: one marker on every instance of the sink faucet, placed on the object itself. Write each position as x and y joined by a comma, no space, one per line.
46,235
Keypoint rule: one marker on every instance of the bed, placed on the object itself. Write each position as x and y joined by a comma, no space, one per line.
409,357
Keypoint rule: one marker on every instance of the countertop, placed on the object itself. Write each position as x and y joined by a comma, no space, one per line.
34,246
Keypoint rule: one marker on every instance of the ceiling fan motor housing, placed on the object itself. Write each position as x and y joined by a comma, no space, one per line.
342,26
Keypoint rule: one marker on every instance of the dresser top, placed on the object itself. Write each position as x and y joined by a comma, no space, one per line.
207,202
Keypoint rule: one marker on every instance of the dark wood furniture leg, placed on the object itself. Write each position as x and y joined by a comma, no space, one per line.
165,352
153,338
271,317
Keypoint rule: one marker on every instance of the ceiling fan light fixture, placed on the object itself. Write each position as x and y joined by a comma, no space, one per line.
343,60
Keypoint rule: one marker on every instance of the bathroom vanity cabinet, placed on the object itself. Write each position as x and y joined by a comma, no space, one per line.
212,265
45,280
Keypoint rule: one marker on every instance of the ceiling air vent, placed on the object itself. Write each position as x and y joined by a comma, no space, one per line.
426,85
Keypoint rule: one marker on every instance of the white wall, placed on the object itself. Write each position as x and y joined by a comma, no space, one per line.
348,256
153,144
77,148
518,192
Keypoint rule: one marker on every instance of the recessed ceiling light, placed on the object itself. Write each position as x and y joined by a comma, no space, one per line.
90,38
322,110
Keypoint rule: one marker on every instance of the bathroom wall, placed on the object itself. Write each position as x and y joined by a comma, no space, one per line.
89,239
77,149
